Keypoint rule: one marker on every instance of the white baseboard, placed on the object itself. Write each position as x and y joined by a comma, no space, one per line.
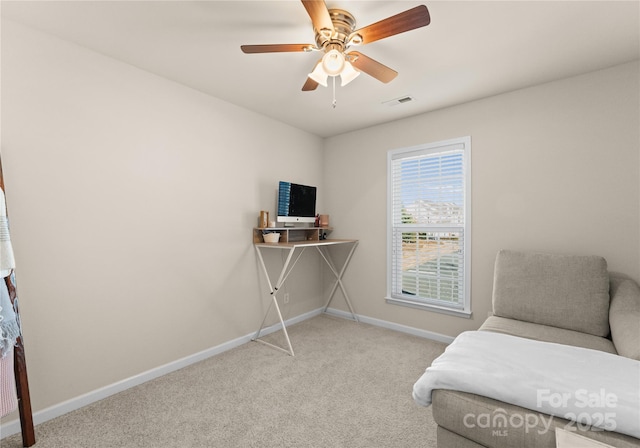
393,326
13,427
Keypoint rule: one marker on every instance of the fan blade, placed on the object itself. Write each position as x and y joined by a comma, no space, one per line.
309,84
317,10
372,67
275,48
405,21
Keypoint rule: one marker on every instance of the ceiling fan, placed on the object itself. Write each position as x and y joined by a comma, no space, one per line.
335,33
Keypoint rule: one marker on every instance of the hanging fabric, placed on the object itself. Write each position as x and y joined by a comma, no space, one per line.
9,327
7,261
14,380
8,395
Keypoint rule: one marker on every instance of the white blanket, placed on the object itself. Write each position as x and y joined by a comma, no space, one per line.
7,261
587,386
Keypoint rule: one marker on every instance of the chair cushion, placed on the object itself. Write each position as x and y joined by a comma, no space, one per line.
547,333
564,291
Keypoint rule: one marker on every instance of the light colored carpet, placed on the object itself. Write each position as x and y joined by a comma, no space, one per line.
349,385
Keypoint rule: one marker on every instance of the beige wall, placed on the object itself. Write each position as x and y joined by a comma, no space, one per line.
554,168
133,250
132,200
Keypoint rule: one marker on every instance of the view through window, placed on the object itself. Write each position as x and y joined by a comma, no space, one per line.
429,222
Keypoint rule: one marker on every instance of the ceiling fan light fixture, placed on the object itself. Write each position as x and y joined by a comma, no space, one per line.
333,62
348,74
318,74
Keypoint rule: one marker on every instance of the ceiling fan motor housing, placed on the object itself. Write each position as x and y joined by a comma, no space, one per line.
344,25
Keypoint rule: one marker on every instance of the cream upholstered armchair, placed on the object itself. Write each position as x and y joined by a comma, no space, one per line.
562,299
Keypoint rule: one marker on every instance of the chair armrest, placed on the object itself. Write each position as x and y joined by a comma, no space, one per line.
624,316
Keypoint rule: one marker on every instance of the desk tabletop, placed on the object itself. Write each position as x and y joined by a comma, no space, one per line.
294,244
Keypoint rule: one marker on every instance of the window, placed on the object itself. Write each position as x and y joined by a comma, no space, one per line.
429,226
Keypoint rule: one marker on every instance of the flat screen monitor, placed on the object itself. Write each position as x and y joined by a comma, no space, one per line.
296,203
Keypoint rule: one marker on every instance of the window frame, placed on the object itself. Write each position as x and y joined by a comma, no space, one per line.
463,143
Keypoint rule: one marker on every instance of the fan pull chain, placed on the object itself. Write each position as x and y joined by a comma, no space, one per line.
334,92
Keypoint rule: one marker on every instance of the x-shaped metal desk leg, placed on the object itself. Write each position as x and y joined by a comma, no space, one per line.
284,273
327,258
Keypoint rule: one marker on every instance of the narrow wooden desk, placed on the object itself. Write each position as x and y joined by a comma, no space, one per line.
322,247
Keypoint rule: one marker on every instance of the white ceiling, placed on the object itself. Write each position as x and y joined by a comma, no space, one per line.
471,50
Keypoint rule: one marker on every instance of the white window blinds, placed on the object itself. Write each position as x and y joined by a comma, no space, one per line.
429,221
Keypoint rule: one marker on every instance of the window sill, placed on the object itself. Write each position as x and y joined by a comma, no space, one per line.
428,307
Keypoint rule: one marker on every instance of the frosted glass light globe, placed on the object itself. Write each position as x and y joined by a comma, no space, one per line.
333,62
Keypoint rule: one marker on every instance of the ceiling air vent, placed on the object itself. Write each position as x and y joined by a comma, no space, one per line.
401,100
